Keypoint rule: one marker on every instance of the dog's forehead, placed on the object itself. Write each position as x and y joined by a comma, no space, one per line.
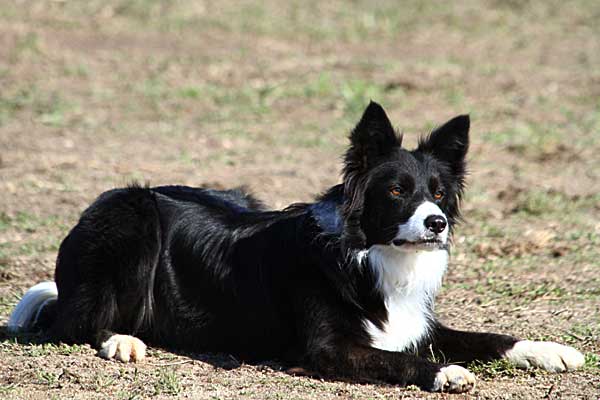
405,162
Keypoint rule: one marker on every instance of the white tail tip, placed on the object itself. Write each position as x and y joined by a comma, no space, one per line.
26,312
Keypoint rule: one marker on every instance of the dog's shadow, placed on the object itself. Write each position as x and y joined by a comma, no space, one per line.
216,360
219,360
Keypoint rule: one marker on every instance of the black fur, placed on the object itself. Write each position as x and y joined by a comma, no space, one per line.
204,270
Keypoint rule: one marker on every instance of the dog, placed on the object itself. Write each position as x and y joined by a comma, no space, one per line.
343,287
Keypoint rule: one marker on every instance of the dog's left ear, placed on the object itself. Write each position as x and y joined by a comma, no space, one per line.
449,143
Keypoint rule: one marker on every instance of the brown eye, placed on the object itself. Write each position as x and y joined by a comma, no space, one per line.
438,194
395,192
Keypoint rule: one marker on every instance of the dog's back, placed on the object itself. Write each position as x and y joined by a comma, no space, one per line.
178,267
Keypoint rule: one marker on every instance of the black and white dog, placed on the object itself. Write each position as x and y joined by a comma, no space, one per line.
343,287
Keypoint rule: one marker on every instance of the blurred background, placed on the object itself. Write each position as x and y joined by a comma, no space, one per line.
97,94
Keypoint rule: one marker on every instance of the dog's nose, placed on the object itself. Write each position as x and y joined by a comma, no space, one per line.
435,223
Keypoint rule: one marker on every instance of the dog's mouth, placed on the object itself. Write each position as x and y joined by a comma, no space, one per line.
432,243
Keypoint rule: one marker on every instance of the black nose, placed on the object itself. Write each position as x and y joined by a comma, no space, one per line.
435,223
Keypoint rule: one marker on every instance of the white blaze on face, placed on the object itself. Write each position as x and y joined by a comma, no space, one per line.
415,230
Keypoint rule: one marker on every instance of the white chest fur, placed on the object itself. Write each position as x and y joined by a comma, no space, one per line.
408,281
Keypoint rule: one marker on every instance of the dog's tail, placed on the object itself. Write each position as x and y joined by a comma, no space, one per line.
33,307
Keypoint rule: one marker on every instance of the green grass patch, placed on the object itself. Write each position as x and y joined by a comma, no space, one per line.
48,377
26,45
540,202
517,293
7,303
7,388
46,349
493,369
26,222
48,108
579,333
78,71
528,139
547,202
189,92
321,86
4,221
455,97
592,362
167,382
103,381
51,109
254,100
12,103
357,93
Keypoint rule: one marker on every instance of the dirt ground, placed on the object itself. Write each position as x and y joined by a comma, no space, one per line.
97,94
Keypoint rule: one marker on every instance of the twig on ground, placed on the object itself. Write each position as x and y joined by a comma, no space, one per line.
171,363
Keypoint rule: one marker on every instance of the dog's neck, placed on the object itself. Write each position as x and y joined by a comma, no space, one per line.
408,282
407,272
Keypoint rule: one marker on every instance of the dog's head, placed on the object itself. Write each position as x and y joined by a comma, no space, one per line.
406,199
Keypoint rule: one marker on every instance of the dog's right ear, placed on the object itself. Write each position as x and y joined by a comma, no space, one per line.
372,139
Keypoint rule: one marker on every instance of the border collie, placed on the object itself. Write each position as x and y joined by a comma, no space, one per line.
343,287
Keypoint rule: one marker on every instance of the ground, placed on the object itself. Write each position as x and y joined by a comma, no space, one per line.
97,94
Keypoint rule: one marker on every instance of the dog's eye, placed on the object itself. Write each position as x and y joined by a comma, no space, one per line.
395,192
439,194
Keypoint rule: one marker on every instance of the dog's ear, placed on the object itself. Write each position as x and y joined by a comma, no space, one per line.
372,138
449,143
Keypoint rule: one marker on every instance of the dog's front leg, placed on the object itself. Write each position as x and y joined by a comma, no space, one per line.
370,364
459,346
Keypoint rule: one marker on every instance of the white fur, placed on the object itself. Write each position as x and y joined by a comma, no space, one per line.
124,348
453,379
409,281
550,356
360,256
27,311
414,229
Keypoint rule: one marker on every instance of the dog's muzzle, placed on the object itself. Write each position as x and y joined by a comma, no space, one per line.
427,228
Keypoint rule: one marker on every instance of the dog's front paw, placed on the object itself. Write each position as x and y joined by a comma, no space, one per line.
453,379
124,348
550,356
